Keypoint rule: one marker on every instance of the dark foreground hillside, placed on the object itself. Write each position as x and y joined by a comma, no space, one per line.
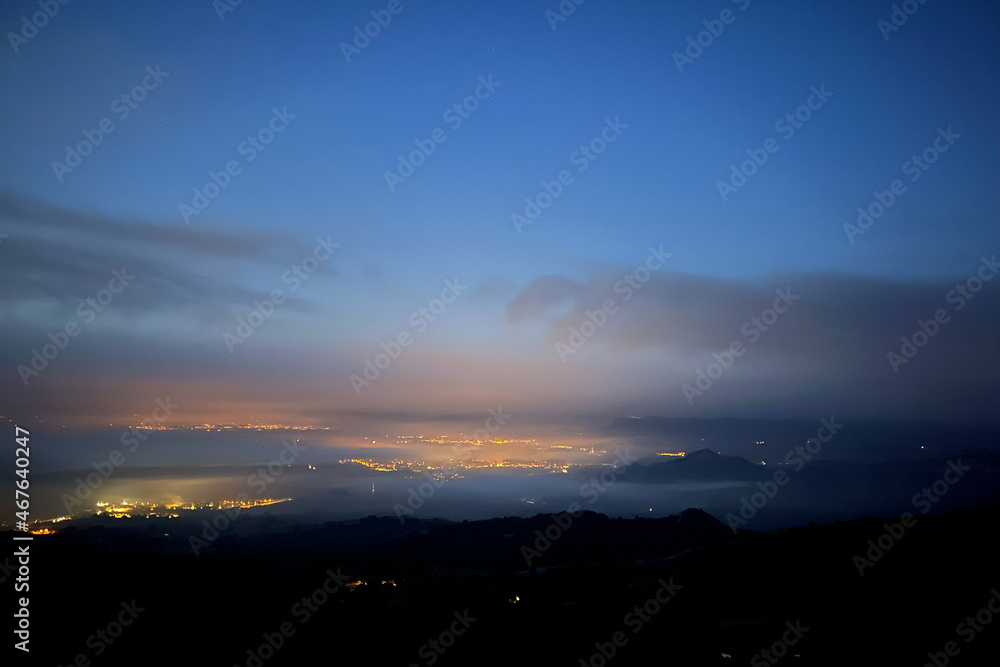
676,591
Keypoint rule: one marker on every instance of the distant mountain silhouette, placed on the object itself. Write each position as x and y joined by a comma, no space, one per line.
860,440
702,464
712,465
825,490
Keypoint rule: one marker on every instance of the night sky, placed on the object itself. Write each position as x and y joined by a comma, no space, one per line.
252,254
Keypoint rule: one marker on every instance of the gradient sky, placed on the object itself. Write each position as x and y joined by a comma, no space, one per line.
655,186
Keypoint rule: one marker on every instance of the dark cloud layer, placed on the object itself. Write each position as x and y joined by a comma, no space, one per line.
61,255
20,212
832,342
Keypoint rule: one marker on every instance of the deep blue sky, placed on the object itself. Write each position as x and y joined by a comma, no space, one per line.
656,185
